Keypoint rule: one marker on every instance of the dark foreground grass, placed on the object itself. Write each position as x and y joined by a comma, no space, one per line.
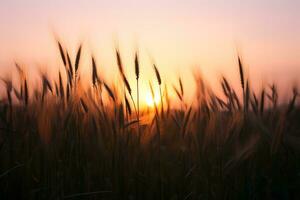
64,142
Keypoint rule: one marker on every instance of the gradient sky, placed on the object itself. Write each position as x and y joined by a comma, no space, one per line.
179,35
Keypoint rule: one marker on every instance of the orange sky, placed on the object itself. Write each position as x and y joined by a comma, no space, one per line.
179,35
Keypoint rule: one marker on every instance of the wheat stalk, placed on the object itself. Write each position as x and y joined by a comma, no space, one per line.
158,77
137,76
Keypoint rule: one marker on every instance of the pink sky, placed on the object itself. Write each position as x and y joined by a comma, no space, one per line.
178,34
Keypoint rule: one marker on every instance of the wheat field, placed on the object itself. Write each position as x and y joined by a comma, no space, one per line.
59,140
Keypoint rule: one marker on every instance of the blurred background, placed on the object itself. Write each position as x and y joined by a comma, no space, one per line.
179,35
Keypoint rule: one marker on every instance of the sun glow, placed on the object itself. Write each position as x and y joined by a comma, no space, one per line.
150,101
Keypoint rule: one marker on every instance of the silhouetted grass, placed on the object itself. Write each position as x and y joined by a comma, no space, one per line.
61,141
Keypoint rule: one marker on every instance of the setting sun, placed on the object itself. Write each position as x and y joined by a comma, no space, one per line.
150,101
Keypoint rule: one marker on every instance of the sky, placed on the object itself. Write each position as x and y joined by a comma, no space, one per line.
178,35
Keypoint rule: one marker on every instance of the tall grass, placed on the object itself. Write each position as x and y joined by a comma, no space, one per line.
59,140
137,76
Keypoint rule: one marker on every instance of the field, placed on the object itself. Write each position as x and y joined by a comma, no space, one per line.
59,140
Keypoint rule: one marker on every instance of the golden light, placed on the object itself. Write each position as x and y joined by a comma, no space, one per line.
150,101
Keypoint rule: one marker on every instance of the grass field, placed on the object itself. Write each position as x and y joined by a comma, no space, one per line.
60,141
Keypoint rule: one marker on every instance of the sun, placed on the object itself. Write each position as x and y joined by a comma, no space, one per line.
150,101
